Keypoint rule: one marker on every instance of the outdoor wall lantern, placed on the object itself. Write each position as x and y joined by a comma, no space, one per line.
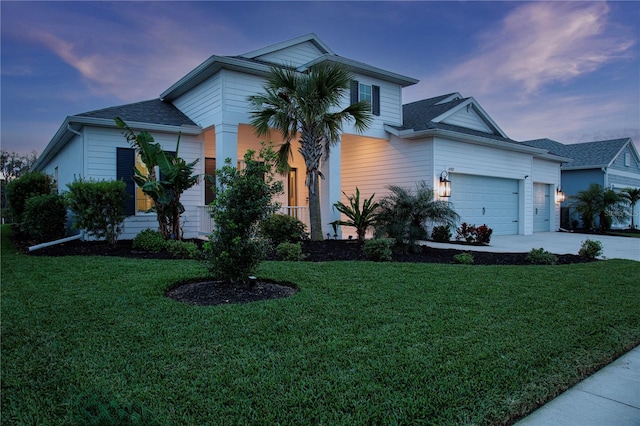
444,189
559,196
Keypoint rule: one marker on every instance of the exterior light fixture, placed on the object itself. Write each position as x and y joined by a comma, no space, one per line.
444,188
560,197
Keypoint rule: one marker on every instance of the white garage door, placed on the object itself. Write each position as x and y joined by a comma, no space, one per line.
541,208
486,200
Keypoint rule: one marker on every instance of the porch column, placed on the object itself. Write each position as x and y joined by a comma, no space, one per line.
330,189
226,144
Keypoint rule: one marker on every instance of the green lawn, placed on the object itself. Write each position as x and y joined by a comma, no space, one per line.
91,339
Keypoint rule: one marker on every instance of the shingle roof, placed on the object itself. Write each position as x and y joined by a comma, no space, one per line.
418,116
153,111
588,154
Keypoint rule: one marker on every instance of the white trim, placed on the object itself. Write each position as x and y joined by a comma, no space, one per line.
476,106
615,172
312,37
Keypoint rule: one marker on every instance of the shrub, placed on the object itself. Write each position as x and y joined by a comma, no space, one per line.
182,249
44,217
590,249
473,234
441,234
464,258
290,251
244,198
282,228
26,186
378,249
541,257
149,240
98,207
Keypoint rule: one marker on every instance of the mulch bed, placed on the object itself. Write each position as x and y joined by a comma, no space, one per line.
208,292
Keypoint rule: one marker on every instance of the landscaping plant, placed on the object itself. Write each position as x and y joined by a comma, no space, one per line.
474,234
464,258
243,199
26,186
378,249
441,234
306,105
541,257
176,176
149,240
290,251
44,217
359,217
590,249
631,196
403,214
98,207
282,228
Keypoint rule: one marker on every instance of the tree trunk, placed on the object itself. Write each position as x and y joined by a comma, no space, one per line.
315,215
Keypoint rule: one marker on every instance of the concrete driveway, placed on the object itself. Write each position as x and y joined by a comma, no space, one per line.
558,243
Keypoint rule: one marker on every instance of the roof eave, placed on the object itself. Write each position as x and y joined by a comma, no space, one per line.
477,140
64,134
362,68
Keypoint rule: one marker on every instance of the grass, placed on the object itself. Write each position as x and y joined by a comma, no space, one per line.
91,340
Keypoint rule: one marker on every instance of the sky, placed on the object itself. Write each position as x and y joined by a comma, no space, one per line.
568,71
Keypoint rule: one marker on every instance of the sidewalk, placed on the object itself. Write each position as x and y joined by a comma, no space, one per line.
610,397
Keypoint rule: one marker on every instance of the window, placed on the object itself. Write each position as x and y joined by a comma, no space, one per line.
627,159
366,92
126,159
143,201
209,169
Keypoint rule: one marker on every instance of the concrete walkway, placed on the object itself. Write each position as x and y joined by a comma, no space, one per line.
558,243
609,397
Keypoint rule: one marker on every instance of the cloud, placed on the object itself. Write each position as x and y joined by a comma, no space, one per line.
542,43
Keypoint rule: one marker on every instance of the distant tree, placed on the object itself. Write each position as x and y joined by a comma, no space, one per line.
632,196
12,166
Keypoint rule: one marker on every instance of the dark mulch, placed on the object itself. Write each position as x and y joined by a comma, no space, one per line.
207,292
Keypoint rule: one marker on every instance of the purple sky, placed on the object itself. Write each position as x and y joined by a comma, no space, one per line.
569,71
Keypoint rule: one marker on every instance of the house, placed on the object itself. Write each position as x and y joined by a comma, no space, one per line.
496,181
613,163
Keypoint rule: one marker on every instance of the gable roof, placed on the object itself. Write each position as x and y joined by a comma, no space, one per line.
585,155
254,63
429,114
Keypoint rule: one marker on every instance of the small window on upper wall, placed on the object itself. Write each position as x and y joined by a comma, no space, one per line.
368,93
627,159
364,93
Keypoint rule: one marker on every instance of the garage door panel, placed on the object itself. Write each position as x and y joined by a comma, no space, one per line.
486,200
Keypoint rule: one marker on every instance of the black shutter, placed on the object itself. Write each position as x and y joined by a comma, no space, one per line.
354,91
375,100
125,162
209,169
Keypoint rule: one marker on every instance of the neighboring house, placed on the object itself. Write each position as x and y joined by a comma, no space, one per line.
495,181
611,163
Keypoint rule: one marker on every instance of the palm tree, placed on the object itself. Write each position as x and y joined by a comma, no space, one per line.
632,196
403,214
597,201
306,106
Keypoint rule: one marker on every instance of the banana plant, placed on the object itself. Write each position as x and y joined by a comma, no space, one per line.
176,176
